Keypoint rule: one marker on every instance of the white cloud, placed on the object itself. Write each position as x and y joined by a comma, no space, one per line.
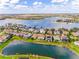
58,1
8,2
75,3
21,7
46,9
14,1
4,1
37,3
38,7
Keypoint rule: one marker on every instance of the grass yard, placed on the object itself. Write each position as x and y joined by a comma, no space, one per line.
24,56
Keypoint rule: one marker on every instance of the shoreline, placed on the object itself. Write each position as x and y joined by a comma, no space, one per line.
60,44
43,44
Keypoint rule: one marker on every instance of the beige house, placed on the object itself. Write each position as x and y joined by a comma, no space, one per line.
3,38
75,33
57,37
38,36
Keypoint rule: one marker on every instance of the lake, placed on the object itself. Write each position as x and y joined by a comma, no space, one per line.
21,47
45,23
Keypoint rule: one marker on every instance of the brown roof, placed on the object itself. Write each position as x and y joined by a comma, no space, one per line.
38,35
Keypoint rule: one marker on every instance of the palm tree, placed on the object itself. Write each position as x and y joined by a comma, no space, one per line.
69,36
46,30
52,31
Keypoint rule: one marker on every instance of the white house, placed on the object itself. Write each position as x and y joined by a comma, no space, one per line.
36,31
75,33
27,35
49,38
42,31
56,32
31,29
76,43
57,37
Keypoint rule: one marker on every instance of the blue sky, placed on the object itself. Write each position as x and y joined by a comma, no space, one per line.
39,6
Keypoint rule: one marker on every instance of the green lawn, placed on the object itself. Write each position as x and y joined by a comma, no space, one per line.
5,57
74,48
5,43
24,56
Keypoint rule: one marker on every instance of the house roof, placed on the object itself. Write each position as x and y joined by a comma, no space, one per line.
64,36
38,35
75,33
2,38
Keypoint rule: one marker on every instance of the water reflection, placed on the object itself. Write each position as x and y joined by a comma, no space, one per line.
45,23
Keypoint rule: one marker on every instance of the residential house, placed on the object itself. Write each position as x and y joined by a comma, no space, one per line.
31,29
36,31
42,31
41,36
27,35
75,33
65,32
34,36
76,43
56,32
4,38
64,37
49,32
38,36
57,38
49,38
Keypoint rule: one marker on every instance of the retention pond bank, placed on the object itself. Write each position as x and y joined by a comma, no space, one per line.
21,47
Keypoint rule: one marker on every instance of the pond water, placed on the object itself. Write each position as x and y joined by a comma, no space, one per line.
45,23
21,47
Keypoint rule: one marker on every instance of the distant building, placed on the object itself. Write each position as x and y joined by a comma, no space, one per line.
31,29
36,31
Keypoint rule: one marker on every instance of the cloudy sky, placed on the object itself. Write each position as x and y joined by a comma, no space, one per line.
39,6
